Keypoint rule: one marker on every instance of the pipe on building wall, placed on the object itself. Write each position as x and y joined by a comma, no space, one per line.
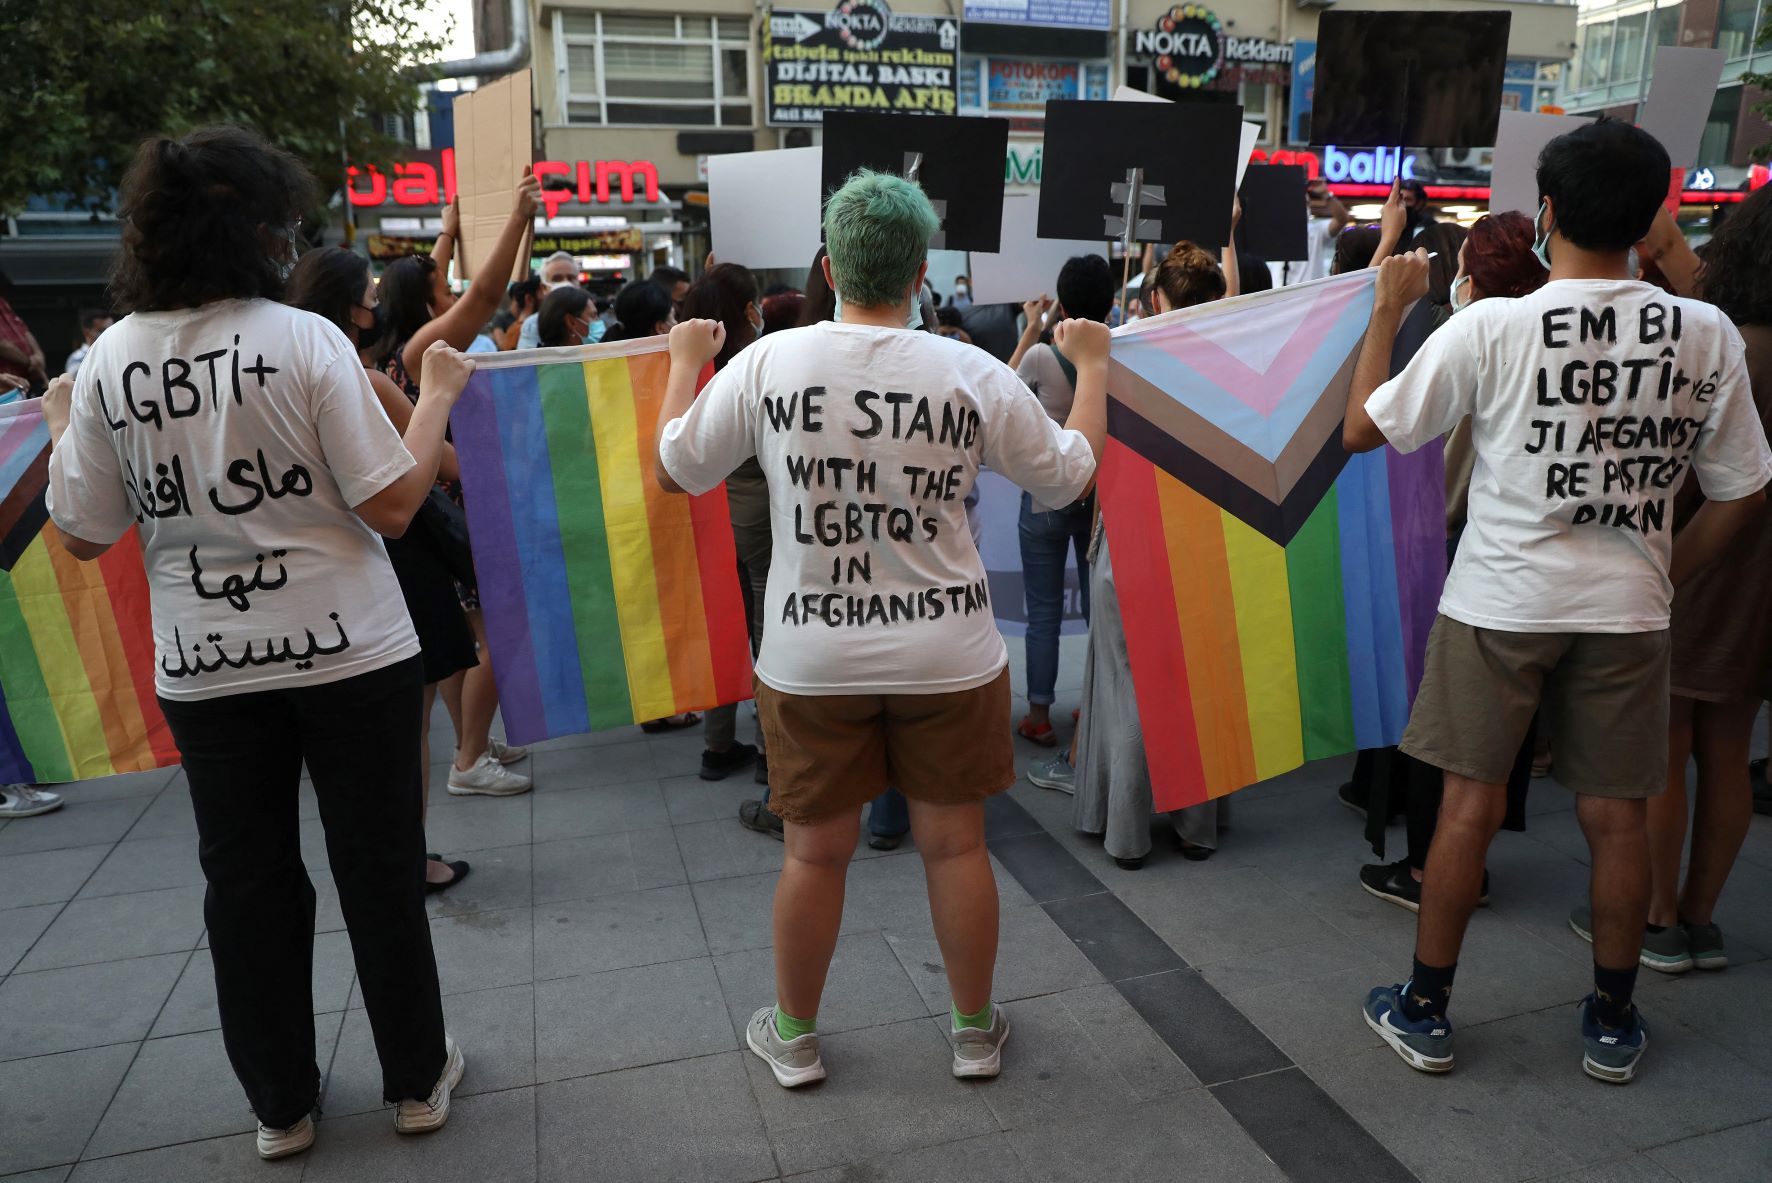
497,61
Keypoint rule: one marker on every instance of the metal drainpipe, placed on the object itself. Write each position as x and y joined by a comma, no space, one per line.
497,61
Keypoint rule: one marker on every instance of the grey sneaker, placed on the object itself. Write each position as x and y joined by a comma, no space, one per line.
1665,951
1611,1054
486,778
1055,774
978,1051
505,753
27,801
421,1117
794,1061
283,1143
1706,944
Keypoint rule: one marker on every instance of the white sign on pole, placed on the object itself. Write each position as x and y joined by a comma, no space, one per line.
1520,137
764,207
1027,265
1680,94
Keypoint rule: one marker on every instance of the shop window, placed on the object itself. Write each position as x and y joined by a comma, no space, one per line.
1627,47
631,68
1719,127
1735,27
1595,54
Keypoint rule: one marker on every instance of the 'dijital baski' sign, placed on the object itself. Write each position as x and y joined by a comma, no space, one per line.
418,183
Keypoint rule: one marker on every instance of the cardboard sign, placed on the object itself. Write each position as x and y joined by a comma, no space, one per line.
1274,213
763,207
1680,94
1027,265
959,162
1521,136
494,143
1188,152
1416,79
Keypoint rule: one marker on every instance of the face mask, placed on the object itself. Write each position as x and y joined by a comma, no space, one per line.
1460,293
553,284
378,327
1541,244
961,291
915,319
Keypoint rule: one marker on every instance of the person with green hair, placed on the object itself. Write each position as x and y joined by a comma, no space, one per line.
881,662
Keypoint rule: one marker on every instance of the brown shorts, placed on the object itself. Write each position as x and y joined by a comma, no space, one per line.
1602,697
833,753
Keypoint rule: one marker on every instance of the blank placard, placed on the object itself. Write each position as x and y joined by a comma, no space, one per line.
1274,212
494,143
1680,95
961,166
1027,265
1416,79
1522,135
763,207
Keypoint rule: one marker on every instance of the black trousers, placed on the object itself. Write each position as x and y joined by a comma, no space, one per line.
243,756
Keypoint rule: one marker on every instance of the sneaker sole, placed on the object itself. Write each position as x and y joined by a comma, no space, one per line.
1609,1075
434,1121
282,1149
983,1069
787,1078
1398,900
1408,1054
1645,959
1069,790
36,811
1720,961
456,790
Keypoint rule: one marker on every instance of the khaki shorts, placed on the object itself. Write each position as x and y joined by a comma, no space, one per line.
1603,697
832,753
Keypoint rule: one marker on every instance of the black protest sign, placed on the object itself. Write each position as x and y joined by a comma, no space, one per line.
1188,154
1274,212
859,56
958,161
1421,79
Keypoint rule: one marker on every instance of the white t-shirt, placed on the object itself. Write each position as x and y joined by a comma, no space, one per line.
1589,399
238,435
871,439
1320,246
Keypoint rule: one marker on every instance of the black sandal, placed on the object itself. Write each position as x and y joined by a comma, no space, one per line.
672,723
459,869
885,841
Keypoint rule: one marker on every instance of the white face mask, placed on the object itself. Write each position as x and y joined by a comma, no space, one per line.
1541,241
912,321
1461,293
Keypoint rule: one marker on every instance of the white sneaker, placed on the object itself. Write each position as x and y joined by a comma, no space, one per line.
978,1051
487,777
504,753
27,801
283,1143
421,1117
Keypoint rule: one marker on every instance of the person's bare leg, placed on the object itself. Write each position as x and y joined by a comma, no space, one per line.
962,897
450,688
479,701
1667,817
435,870
1618,841
1039,712
1721,735
809,907
1471,811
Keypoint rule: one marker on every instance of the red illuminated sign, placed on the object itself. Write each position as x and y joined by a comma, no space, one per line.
419,183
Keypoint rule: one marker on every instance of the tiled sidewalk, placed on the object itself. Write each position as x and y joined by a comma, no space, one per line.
1187,1020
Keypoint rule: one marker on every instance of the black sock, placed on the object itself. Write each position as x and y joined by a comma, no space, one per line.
1612,991
1430,989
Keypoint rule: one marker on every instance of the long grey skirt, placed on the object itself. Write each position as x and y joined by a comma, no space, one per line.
1113,782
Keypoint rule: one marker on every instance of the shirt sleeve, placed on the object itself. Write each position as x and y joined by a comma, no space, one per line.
88,493
1731,458
701,447
363,451
1435,390
1022,442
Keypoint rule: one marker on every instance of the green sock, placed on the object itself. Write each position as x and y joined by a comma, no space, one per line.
788,1027
981,1020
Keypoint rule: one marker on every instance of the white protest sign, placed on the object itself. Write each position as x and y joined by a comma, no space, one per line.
1680,95
1521,136
1246,145
764,207
1027,265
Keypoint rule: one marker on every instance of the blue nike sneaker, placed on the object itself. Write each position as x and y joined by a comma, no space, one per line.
1611,1053
1425,1045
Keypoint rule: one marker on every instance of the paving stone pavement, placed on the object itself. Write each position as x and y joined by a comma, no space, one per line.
1186,1020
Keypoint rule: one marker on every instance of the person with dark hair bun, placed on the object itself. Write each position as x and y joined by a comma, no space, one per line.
564,317
1722,642
1188,275
642,309
280,637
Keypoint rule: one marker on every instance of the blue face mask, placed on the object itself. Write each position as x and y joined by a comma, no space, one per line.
912,321
1541,243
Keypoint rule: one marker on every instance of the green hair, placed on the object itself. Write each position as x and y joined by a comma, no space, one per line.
877,229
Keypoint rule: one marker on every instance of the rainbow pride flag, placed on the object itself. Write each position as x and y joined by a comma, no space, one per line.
607,600
1276,592
76,644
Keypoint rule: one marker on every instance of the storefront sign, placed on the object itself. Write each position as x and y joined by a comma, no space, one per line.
607,242
1025,84
1191,49
1024,164
1063,14
1304,87
1378,167
858,57
385,248
419,183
